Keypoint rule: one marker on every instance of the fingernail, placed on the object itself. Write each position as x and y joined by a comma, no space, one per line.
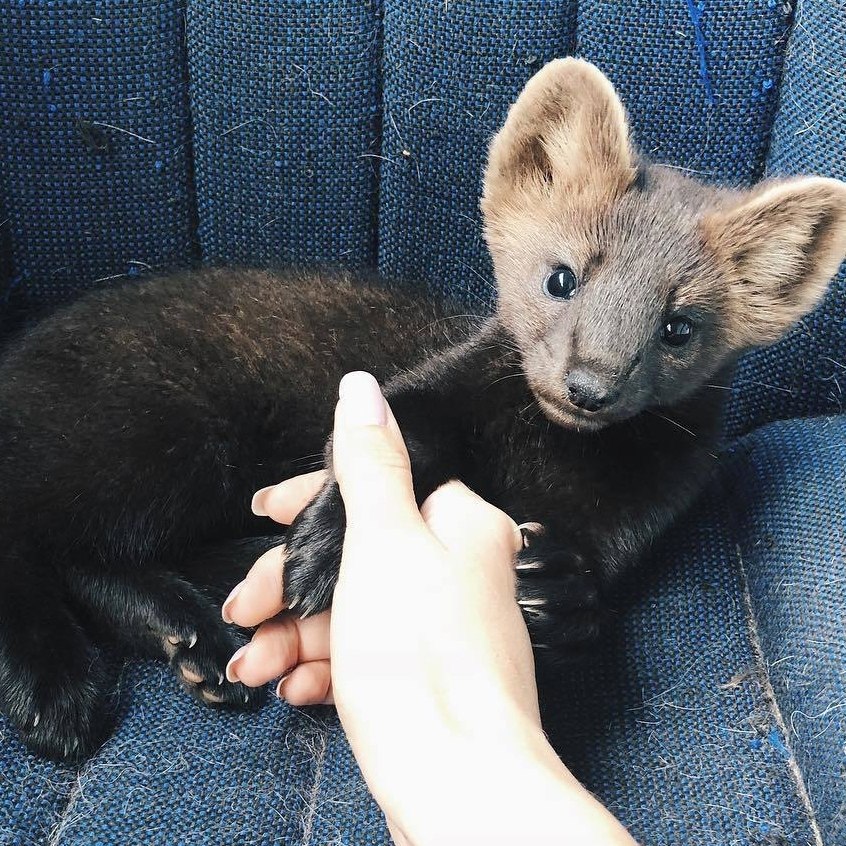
282,679
363,403
231,675
226,608
257,504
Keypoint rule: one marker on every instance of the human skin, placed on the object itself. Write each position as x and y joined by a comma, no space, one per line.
424,653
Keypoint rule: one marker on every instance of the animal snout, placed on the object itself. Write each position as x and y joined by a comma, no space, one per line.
587,389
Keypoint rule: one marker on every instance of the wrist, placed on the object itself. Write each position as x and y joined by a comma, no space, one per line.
496,792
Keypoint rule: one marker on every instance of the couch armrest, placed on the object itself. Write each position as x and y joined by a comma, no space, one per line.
788,487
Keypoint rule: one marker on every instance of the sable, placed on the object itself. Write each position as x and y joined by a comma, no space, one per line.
136,424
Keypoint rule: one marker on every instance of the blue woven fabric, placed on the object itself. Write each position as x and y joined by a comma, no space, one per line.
33,793
791,529
670,726
700,79
450,72
806,372
178,774
285,101
94,144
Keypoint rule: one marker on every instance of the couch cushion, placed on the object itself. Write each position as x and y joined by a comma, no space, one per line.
285,99
700,80
789,490
806,372
33,793
94,143
451,70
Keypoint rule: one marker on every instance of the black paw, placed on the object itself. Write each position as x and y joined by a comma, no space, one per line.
198,651
313,553
59,712
561,603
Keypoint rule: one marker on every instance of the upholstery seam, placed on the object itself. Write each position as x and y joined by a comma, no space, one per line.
772,703
775,109
62,822
195,249
311,799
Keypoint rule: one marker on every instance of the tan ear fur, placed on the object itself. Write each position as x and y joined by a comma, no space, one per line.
566,130
780,248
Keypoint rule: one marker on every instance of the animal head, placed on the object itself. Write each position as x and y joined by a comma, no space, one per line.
625,284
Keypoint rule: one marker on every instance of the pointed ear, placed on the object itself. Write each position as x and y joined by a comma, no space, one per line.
779,248
567,130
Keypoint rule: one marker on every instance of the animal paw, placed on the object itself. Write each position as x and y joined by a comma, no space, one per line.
60,716
560,599
198,658
313,553
198,646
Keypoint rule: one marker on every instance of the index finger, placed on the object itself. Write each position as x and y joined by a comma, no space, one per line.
284,501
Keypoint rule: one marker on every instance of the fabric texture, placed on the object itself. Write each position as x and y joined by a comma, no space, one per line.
137,136
285,129
805,373
670,725
451,70
700,79
788,482
95,145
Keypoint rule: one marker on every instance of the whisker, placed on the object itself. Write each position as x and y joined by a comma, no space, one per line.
679,426
503,378
674,422
751,382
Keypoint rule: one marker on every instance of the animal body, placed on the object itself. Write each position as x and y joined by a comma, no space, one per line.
136,423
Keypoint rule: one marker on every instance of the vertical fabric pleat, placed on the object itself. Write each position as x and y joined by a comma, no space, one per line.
806,372
285,99
451,70
699,79
95,143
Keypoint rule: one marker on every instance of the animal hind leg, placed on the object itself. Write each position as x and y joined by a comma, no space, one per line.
53,681
176,617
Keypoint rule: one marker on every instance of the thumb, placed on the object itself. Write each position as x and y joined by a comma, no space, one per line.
369,456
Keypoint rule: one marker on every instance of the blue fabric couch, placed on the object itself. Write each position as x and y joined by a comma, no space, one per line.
136,135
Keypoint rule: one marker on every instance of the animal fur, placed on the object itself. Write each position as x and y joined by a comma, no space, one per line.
135,424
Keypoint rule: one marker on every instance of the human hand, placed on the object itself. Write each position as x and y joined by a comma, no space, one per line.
431,667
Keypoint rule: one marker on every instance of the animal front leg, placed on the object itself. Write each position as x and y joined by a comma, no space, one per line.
313,548
558,593
315,541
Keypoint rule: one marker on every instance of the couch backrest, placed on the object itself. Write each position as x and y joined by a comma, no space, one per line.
138,135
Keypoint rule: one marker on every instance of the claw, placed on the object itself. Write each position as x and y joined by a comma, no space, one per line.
308,608
529,531
532,606
220,679
294,603
193,640
529,565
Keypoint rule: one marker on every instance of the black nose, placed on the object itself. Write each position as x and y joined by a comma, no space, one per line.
586,389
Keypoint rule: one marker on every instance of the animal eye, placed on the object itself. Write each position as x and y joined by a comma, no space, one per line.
561,284
677,331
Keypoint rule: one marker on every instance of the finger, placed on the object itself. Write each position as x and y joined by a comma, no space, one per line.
278,646
284,501
308,684
369,456
469,525
259,596
396,833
